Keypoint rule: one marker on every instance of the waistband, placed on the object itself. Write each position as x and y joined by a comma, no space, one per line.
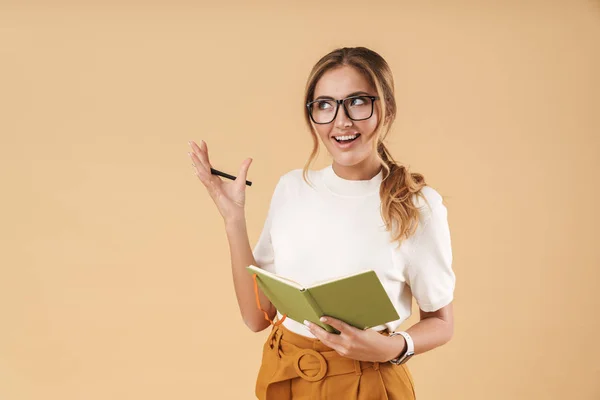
309,358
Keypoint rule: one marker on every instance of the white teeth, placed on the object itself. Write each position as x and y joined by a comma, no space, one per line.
347,137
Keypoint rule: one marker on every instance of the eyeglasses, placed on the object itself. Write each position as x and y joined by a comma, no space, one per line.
357,108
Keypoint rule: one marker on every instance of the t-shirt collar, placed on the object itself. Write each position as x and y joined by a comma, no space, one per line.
348,187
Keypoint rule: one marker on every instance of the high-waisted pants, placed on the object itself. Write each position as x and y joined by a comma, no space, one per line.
299,367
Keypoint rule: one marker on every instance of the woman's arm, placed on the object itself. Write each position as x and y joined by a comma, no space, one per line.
433,330
230,199
241,257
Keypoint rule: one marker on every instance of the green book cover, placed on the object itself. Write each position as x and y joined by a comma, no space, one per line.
358,299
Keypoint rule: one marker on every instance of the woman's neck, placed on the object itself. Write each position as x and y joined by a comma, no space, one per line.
358,172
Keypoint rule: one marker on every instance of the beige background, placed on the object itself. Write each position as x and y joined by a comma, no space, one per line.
115,280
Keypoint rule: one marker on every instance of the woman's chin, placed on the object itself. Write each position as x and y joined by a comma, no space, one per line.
346,160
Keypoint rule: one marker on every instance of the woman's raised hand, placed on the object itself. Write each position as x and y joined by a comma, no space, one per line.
229,196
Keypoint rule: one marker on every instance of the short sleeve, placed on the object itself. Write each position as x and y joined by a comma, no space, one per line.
263,252
429,266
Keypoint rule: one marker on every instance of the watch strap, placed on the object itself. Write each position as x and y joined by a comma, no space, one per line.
409,351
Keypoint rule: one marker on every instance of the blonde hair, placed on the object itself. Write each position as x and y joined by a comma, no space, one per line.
398,184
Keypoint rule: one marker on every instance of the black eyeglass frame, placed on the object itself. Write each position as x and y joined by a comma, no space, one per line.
337,107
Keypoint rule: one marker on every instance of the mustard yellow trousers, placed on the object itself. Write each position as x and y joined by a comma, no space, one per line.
298,367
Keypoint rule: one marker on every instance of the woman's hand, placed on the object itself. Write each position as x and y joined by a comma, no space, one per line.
357,344
230,196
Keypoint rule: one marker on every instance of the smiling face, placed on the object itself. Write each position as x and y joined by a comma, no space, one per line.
356,159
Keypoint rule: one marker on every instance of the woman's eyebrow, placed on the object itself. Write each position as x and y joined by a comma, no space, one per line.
350,95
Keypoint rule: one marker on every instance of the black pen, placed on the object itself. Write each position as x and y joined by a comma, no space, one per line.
224,175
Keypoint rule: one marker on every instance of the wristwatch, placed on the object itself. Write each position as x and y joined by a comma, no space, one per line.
410,348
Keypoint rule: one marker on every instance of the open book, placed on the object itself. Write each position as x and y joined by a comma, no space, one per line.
358,299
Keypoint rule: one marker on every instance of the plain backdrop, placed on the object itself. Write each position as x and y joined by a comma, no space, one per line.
115,277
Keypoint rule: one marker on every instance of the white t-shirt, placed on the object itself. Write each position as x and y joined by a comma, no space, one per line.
334,229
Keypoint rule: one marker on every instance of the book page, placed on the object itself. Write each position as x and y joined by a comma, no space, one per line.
277,277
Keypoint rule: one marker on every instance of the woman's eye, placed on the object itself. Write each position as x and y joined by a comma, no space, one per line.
324,105
358,101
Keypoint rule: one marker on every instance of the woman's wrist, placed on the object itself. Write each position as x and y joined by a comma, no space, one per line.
397,347
235,222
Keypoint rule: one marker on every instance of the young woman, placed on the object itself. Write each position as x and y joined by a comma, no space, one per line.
362,211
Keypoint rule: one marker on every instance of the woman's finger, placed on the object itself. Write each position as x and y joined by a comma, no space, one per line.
204,148
339,325
331,339
243,172
202,155
194,146
197,162
201,173
196,151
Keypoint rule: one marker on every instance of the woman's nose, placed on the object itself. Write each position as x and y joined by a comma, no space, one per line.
341,119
